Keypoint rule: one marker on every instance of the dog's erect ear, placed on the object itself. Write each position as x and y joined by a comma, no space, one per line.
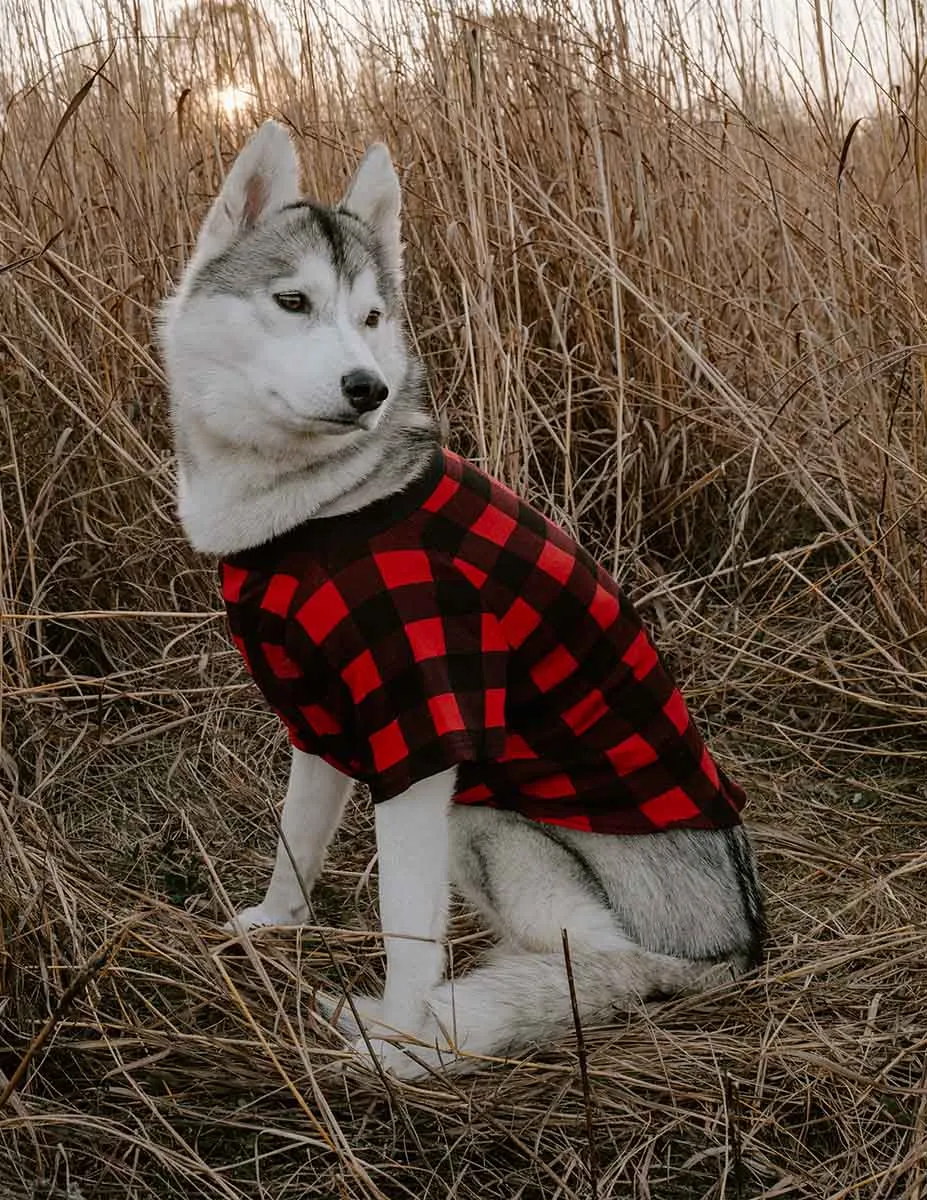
373,195
264,177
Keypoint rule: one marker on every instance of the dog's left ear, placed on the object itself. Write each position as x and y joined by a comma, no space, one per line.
373,195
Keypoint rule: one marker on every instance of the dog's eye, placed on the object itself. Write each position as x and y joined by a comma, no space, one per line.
294,302
372,320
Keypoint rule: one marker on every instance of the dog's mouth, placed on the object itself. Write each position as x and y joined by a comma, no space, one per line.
309,425
313,424
340,425
321,427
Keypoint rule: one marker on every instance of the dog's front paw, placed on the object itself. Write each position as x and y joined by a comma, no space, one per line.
345,1015
411,1054
259,916
403,1060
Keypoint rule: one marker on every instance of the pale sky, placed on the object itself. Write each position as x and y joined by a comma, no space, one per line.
861,37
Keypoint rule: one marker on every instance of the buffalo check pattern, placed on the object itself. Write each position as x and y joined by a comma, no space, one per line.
453,625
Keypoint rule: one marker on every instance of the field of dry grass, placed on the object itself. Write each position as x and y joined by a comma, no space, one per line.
680,307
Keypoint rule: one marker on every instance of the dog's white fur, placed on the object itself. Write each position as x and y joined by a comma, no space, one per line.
253,395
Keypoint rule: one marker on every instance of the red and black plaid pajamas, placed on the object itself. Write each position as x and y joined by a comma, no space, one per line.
452,625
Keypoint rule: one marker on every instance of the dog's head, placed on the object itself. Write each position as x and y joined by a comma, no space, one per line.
286,326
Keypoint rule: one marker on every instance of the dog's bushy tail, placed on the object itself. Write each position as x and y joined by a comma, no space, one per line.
521,999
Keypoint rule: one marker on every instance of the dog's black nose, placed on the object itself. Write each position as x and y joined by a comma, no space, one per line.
364,390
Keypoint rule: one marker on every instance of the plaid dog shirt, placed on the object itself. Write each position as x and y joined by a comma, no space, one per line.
453,625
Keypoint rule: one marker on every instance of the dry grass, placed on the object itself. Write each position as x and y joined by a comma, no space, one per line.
687,321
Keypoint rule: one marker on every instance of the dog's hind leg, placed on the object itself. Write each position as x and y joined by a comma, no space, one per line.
531,885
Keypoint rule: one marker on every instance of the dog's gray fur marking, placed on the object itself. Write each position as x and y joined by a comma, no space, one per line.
685,893
271,249
754,910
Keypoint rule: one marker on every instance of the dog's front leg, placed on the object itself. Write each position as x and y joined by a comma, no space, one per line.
312,811
413,851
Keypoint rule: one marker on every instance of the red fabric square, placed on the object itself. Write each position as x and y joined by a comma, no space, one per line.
641,656
361,676
232,579
583,715
675,710
279,594
709,770
553,787
400,567
427,638
604,608
517,747
555,562
491,635
388,746
321,721
445,713
494,525
474,574
573,821
669,808
279,661
554,668
477,794
442,493
631,754
322,612
519,623
495,708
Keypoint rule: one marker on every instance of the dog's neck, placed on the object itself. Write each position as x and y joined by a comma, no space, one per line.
231,497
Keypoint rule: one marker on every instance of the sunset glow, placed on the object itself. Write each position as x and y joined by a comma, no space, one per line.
233,100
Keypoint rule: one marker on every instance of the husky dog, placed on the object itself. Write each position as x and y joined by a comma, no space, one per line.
300,428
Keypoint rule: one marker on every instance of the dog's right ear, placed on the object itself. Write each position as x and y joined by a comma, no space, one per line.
264,177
